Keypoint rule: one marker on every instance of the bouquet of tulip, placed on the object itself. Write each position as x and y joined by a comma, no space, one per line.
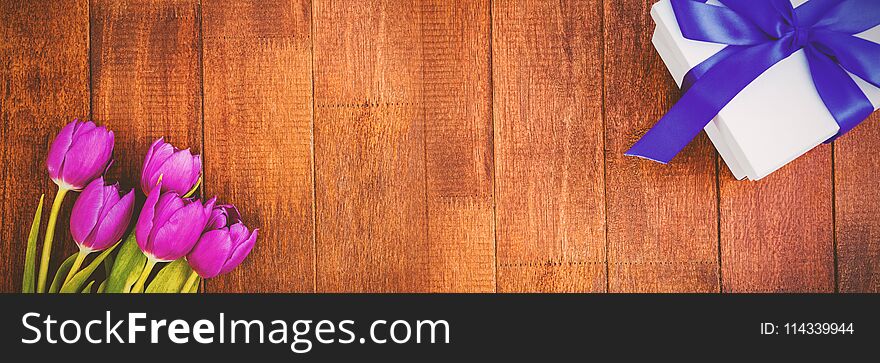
190,239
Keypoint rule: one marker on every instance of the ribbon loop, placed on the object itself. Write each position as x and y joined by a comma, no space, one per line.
770,15
716,24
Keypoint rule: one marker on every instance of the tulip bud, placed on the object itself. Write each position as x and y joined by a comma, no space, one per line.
224,246
179,169
80,153
169,226
100,216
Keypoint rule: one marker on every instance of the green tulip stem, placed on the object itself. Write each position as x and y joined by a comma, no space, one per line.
187,286
80,257
47,242
139,285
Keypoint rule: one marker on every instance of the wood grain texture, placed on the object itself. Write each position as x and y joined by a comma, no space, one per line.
662,219
776,233
44,84
146,77
403,176
458,145
857,207
547,75
396,145
258,136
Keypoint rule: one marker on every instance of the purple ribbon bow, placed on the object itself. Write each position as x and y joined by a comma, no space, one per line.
759,34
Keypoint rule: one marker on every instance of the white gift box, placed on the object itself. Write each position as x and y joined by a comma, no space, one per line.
775,119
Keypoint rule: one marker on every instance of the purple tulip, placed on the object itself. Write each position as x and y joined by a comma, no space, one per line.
80,153
224,246
169,226
180,170
100,216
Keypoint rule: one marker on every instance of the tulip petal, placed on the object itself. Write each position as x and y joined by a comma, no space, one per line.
169,203
59,148
114,223
238,232
87,157
159,152
196,171
109,197
240,251
218,218
145,220
111,194
222,216
177,172
207,208
83,128
176,237
170,240
210,253
150,152
86,211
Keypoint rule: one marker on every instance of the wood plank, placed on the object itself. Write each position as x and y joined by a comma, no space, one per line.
258,136
44,60
662,219
776,233
369,148
857,207
146,77
458,145
547,75
403,188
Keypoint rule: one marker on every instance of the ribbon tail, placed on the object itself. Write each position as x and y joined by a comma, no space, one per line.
705,98
672,133
857,55
842,96
694,74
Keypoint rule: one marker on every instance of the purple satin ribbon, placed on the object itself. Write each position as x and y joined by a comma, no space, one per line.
759,34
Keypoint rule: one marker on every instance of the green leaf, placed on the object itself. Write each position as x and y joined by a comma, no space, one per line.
108,264
102,286
30,262
88,288
127,266
170,278
61,274
77,281
195,287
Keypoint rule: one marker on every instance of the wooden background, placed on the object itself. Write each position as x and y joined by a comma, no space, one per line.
427,146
